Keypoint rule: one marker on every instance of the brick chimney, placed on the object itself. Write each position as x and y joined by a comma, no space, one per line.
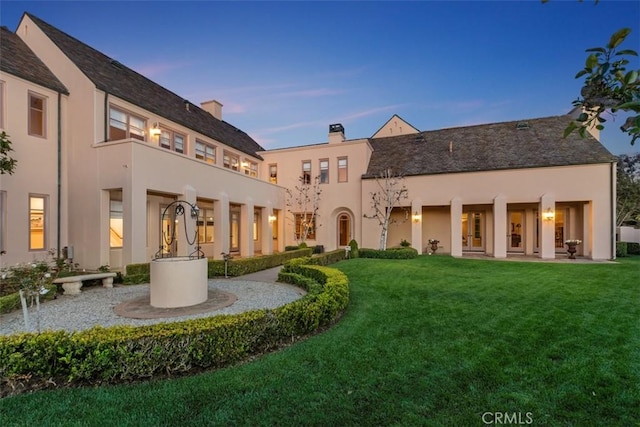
212,107
336,133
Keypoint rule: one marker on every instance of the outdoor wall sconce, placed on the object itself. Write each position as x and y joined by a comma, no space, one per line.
272,219
548,215
155,130
417,217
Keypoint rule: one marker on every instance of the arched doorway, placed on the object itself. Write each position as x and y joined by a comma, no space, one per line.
344,229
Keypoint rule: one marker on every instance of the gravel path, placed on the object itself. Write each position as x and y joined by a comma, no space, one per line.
95,306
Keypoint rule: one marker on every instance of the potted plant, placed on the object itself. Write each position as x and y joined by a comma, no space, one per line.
434,245
571,247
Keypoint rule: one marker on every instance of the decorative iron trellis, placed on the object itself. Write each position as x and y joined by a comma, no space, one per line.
167,240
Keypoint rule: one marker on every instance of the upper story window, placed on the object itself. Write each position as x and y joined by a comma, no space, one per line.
172,140
324,171
124,125
343,169
206,152
306,172
231,161
273,174
2,105
37,115
250,168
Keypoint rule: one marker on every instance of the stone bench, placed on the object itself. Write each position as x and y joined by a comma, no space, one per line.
72,284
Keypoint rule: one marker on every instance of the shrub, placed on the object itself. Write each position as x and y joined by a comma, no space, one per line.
621,249
240,266
140,273
633,248
354,249
404,243
392,253
125,353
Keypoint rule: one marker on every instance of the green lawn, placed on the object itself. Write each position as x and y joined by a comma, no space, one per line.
430,341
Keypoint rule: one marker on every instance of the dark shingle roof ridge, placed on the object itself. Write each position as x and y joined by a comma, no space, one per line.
18,59
484,147
139,90
113,61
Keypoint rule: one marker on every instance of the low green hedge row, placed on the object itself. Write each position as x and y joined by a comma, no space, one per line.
127,353
622,249
11,302
140,273
393,253
633,248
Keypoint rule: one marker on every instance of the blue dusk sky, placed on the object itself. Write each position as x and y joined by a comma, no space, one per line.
286,70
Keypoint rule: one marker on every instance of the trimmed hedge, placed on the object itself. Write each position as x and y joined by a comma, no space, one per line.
11,302
140,273
125,353
633,248
393,253
621,249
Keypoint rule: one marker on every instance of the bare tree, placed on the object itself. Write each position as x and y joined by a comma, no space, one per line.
391,191
303,203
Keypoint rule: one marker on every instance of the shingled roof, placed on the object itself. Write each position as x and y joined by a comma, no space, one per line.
17,59
118,80
509,145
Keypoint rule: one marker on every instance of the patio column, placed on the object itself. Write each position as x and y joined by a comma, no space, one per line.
499,226
266,228
187,230
456,227
416,225
246,225
221,224
547,226
134,215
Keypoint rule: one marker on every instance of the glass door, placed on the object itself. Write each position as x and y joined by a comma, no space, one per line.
472,231
515,232
234,238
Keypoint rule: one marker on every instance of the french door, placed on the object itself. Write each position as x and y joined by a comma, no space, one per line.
515,231
473,231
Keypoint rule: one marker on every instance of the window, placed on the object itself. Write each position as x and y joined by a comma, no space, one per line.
231,161
172,141
205,225
123,125
306,172
304,223
37,110
324,171
343,169
273,174
1,105
3,221
37,222
116,226
206,152
250,168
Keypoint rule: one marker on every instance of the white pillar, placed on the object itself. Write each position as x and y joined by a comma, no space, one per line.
456,226
547,227
221,226
134,213
246,227
267,229
500,226
186,225
416,225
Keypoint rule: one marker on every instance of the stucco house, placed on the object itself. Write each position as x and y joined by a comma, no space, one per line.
127,147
